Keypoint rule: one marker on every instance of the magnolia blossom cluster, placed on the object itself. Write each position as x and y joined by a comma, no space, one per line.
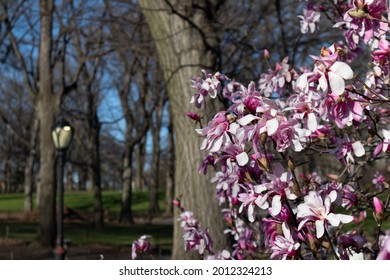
325,108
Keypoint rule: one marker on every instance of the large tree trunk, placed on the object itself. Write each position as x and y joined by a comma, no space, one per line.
182,51
47,105
29,169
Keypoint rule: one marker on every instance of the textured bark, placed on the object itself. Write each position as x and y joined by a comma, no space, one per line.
47,106
181,46
29,169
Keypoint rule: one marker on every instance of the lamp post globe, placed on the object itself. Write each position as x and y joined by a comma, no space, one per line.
62,134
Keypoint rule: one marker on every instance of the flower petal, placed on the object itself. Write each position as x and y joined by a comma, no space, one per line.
342,69
320,228
337,83
358,149
272,126
242,159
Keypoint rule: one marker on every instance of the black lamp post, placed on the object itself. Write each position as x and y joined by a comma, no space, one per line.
62,134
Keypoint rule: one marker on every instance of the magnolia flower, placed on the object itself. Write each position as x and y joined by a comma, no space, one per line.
384,253
309,20
378,209
317,209
284,245
141,245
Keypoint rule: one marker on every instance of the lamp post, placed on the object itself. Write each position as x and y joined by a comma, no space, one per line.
62,134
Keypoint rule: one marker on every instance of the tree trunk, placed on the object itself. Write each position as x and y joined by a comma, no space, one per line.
126,214
153,188
47,105
140,162
181,51
29,169
94,169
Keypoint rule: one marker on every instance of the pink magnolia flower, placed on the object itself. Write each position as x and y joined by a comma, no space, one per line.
211,86
276,80
285,245
251,198
384,253
309,20
195,238
217,132
346,150
341,109
140,246
382,54
379,181
365,16
328,72
317,209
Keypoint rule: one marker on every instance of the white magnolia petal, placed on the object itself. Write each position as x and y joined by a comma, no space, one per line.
345,219
320,229
312,122
272,126
216,145
358,149
342,69
247,119
337,83
242,159
276,205
250,213
286,230
333,219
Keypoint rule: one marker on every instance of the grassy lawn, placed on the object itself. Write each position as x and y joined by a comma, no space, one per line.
83,232
83,201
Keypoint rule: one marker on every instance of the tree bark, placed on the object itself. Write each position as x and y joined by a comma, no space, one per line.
182,50
156,127
47,106
126,214
29,169
94,166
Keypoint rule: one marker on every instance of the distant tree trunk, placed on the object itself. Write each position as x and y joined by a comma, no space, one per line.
140,162
69,179
29,169
156,127
126,214
47,106
182,53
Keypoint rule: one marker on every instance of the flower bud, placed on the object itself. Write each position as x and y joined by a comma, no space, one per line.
291,164
176,203
378,210
193,116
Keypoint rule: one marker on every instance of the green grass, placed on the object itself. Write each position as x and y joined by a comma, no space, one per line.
112,234
83,201
83,233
